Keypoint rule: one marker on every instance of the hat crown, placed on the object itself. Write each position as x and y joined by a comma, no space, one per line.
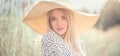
65,3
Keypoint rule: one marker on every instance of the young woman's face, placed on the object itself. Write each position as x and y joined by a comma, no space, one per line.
58,22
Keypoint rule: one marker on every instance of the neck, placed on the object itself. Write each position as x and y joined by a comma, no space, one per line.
63,36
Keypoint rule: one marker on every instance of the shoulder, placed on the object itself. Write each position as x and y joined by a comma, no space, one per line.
53,45
51,41
50,37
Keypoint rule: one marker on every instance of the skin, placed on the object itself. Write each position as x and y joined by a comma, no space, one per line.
58,22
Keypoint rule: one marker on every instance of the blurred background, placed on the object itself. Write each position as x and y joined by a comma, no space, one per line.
17,39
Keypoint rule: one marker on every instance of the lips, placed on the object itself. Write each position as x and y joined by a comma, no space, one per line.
59,29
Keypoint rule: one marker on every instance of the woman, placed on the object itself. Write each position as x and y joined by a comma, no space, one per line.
62,34
59,25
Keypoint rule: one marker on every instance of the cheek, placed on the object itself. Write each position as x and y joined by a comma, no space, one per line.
52,24
66,24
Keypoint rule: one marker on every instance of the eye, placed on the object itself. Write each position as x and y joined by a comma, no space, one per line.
64,17
52,19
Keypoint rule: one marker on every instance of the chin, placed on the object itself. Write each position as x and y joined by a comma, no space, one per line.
61,33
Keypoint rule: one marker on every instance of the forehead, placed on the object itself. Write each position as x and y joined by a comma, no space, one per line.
56,11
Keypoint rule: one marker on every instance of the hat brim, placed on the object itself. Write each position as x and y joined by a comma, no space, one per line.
37,17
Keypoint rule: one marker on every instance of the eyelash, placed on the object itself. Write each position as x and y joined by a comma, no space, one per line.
53,19
63,17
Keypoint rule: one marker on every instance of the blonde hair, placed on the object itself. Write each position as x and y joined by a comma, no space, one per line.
70,38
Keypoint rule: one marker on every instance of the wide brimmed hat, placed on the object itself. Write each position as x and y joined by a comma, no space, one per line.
37,17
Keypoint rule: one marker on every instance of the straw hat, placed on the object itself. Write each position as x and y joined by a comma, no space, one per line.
37,17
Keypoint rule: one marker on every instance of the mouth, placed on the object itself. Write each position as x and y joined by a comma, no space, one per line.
59,29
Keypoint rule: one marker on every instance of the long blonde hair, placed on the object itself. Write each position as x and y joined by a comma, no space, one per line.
70,38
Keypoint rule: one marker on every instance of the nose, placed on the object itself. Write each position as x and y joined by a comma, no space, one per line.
59,23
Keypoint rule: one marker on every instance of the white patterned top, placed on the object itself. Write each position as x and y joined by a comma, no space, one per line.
53,45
